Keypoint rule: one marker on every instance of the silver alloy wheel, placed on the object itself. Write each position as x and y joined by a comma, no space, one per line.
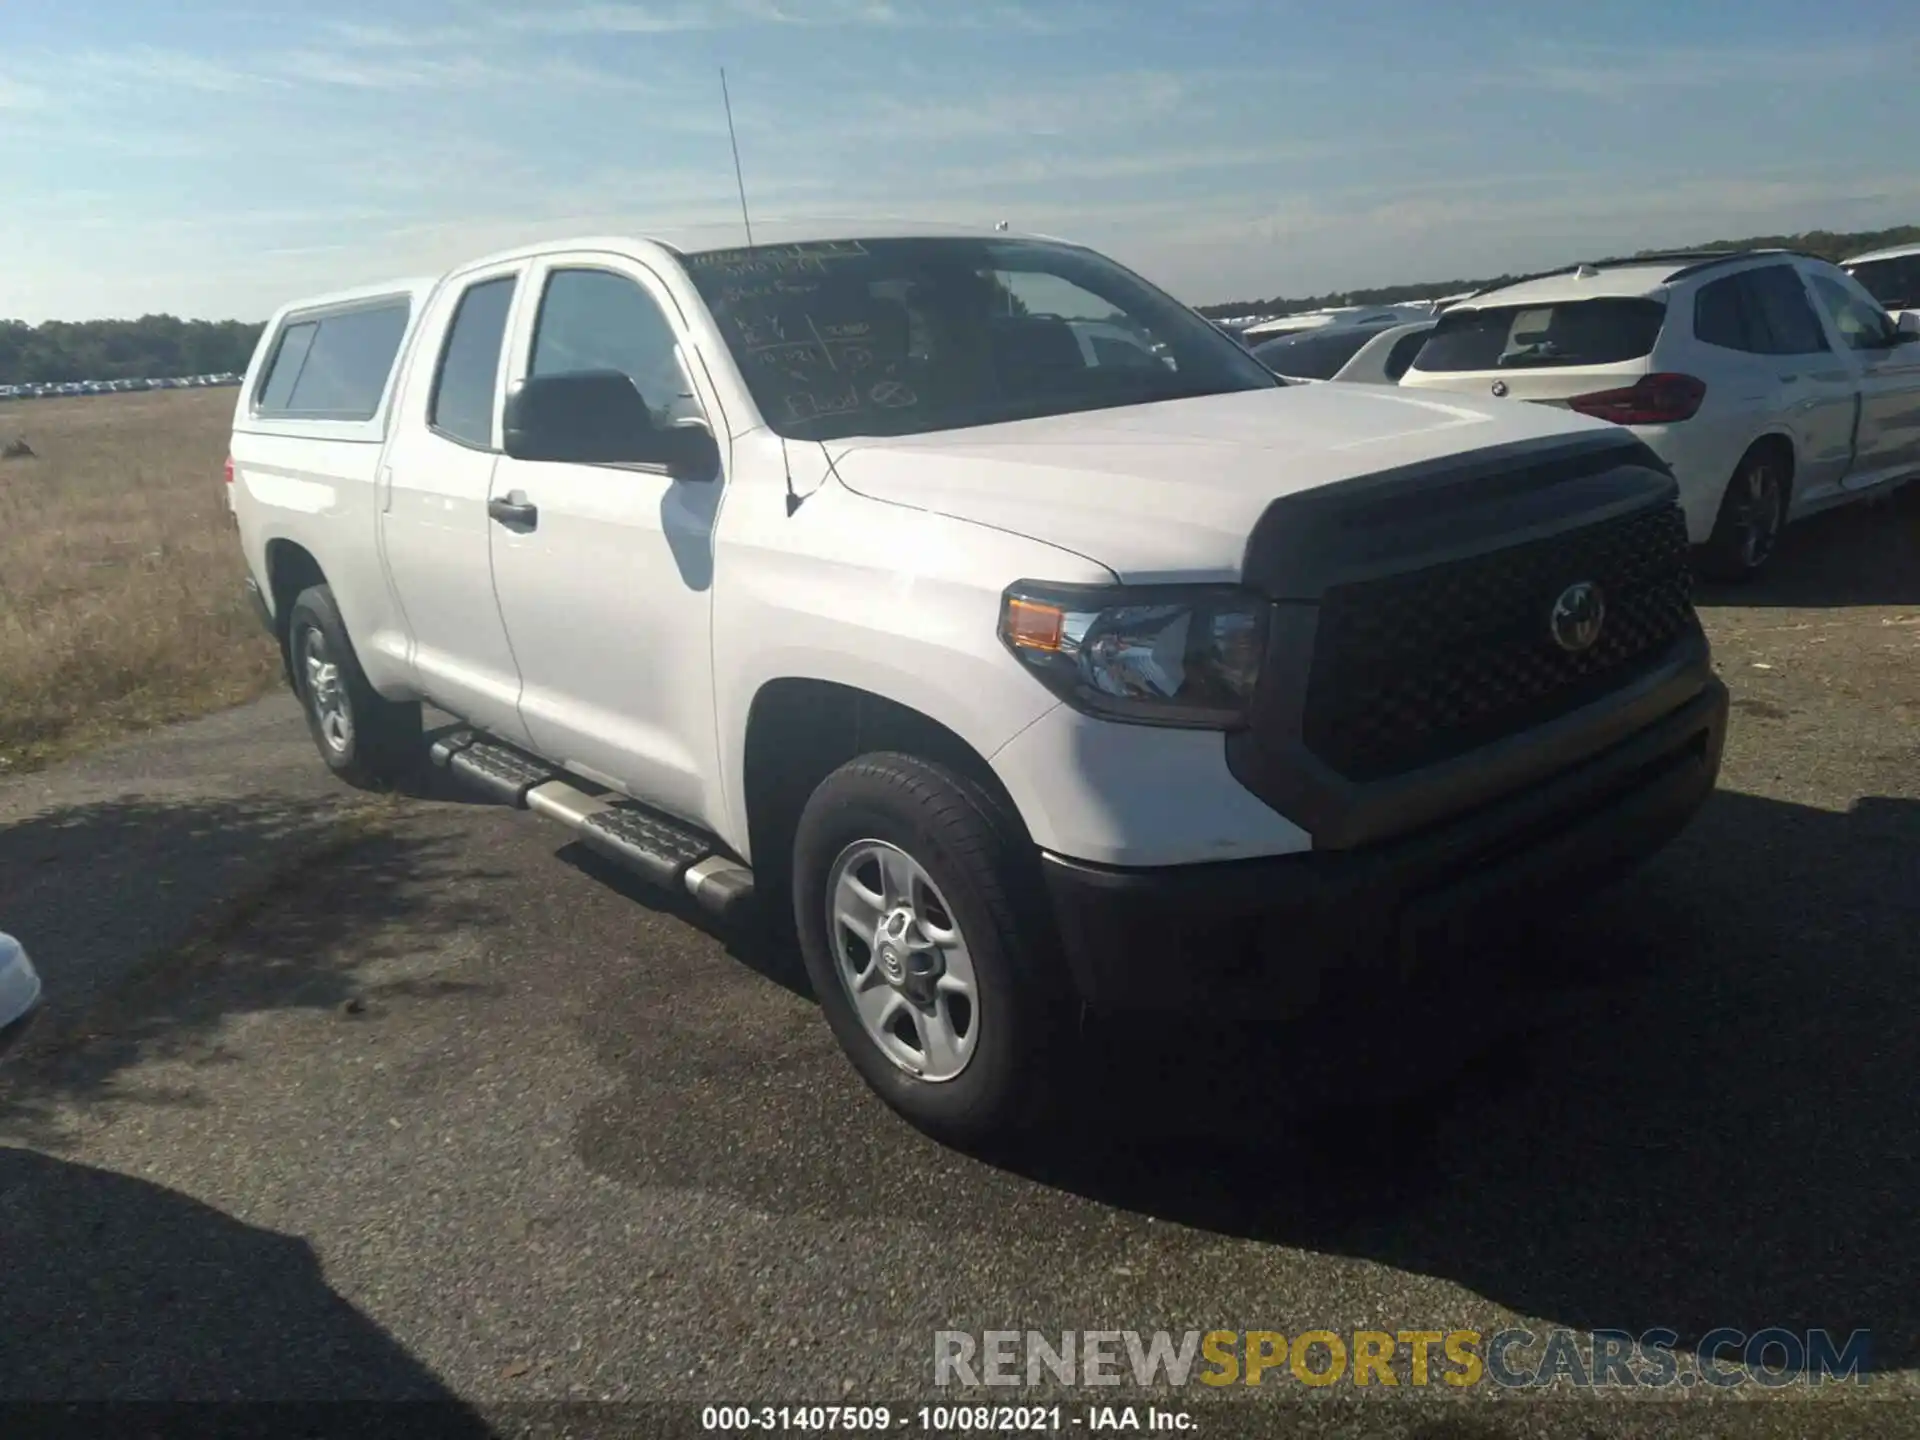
326,692
902,960
1761,516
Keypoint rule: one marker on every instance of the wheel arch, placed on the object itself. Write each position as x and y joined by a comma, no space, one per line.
800,729
291,568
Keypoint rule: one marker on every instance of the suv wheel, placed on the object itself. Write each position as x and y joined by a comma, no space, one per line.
1753,512
367,740
914,895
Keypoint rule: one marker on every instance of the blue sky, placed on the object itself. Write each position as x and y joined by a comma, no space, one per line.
217,157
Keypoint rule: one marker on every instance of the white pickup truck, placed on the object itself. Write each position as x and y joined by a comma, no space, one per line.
819,568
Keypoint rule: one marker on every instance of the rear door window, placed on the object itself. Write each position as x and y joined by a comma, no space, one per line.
463,391
335,367
1786,322
1602,331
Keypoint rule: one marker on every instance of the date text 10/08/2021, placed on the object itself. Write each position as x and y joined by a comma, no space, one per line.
942,1419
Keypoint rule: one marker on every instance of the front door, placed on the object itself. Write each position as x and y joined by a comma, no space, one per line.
434,530
606,582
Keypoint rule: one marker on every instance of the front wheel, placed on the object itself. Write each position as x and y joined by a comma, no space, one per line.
1753,513
916,900
367,740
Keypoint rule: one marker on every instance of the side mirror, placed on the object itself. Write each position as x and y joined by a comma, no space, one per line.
1907,327
597,417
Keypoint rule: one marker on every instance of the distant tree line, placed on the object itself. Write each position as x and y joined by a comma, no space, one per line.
1825,243
152,347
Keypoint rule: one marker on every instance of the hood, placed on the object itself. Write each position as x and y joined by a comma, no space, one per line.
1170,492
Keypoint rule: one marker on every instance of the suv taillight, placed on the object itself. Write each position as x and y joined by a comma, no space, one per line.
1652,400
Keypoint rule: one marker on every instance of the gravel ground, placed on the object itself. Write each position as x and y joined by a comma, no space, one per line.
411,1100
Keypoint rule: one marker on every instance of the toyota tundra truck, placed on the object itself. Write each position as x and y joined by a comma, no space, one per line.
1034,678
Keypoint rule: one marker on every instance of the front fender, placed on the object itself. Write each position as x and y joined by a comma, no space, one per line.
878,597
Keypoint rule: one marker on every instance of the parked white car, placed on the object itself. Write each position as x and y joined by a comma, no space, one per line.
1891,276
1020,684
19,991
1772,383
1371,355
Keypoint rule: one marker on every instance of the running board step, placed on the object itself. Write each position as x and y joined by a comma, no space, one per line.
501,771
657,848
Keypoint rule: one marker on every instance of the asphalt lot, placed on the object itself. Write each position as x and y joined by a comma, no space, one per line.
443,1109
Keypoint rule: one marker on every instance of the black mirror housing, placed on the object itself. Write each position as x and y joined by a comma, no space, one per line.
598,417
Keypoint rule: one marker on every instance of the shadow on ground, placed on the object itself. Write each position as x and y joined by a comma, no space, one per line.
127,985
1867,554
119,1290
1722,1134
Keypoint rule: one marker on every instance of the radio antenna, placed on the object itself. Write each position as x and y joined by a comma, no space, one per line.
734,140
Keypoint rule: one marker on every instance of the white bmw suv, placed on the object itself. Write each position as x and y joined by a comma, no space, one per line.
1772,383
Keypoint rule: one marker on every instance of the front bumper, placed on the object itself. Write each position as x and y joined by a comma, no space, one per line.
1273,936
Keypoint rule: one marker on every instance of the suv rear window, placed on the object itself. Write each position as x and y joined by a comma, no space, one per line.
334,367
1523,337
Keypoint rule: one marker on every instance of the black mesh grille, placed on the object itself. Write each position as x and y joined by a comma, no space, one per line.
1421,667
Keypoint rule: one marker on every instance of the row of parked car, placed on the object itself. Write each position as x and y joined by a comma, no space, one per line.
1774,384
114,387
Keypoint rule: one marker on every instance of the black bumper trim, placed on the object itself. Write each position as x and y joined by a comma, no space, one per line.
1267,933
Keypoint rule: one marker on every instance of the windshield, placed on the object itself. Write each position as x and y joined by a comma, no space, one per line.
1314,354
1894,283
906,336
1520,337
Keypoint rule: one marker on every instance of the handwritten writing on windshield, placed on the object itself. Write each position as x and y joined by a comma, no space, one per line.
814,257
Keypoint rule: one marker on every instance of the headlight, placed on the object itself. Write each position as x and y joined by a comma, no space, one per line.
1185,655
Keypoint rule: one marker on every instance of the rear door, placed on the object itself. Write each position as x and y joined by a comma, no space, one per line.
435,532
1547,352
1887,442
1773,369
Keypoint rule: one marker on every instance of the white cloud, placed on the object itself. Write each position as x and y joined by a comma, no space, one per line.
149,67
1622,74
18,95
662,17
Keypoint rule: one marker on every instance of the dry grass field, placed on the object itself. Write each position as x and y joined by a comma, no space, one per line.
120,599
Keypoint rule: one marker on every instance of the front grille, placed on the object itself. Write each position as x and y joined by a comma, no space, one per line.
1421,667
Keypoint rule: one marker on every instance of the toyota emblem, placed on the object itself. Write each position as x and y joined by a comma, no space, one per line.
1577,617
1499,389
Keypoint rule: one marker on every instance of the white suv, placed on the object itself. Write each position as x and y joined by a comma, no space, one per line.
1772,383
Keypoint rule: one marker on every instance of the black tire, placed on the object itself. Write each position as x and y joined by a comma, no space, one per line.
985,873
381,741
1753,516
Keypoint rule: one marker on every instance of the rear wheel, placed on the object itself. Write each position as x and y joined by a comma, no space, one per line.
915,899
1753,513
367,740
